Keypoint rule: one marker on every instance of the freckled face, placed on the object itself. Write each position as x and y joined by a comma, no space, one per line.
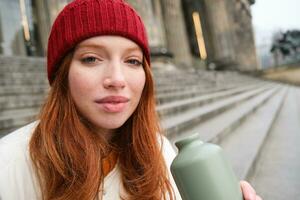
106,80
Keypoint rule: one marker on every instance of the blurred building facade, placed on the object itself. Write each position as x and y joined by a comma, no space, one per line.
211,30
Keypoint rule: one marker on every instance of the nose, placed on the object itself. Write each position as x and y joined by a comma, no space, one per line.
115,77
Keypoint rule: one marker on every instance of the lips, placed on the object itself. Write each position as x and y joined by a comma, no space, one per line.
113,104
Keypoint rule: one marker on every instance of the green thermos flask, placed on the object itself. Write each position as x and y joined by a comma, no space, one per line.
201,172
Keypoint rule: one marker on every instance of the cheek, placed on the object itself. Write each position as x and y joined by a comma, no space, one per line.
75,82
79,84
138,84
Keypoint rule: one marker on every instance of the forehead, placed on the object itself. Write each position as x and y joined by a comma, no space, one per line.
109,42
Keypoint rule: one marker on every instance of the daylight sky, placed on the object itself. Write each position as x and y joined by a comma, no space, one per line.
274,15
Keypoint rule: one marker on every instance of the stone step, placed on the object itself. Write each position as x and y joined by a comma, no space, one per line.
224,76
4,132
8,114
34,80
22,64
164,98
21,101
275,174
203,75
23,67
179,123
17,90
182,84
174,74
197,80
12,119
22,75
198,77
244,142
179,87
190,102
181,81
170,90
217,128
243,145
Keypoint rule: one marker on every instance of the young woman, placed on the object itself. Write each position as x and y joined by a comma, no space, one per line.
97,136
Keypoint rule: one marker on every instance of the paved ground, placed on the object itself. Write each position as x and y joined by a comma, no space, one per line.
277,175
286,75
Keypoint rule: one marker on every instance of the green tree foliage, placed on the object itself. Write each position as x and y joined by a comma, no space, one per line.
288,43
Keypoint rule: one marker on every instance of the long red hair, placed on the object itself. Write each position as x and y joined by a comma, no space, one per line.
67,153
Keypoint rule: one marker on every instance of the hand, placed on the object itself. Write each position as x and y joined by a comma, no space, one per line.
248,191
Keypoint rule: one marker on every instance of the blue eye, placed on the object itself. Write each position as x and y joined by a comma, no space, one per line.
88,60
134,62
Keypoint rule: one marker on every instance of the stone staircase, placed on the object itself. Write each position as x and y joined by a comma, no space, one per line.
243,114
23,86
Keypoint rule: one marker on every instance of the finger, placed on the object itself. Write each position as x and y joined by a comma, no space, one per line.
258,197
248,191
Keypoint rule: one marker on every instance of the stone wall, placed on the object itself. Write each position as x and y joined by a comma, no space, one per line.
227,31
166,27
240,20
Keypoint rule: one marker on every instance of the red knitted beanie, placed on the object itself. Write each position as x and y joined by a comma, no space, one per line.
82,19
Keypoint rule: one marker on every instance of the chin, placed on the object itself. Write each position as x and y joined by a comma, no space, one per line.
110,126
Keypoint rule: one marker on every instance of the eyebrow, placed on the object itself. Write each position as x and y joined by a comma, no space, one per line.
95,46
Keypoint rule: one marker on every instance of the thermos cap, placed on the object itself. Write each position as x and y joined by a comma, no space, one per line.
181,143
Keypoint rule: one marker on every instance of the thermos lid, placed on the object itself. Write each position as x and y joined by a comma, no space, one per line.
183,142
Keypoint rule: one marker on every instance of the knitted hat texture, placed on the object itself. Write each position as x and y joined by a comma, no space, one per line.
82,19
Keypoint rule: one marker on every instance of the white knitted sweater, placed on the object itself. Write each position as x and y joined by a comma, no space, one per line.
17,178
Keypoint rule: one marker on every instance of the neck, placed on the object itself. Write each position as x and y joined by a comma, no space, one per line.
107,134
